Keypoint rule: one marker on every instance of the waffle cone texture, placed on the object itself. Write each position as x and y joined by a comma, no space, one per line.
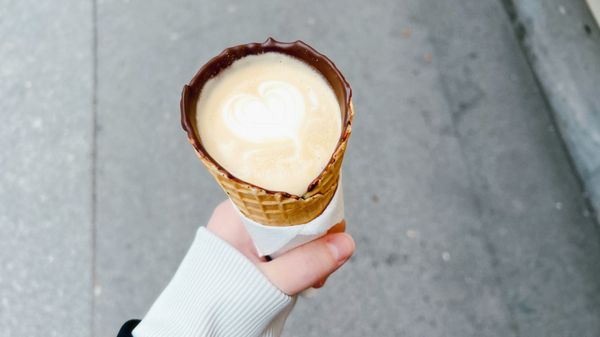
272,208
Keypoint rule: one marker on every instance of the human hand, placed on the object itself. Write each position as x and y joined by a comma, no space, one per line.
296,270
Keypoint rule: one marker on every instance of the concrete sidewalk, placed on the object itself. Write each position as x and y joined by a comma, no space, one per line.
562,43
468,217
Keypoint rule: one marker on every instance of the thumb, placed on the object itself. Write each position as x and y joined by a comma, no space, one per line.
304,266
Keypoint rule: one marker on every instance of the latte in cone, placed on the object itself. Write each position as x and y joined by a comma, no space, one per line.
271,123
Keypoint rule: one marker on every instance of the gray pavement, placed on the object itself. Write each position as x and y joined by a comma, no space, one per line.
46,90
468,217
562,42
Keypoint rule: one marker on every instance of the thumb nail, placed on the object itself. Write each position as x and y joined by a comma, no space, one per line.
341,246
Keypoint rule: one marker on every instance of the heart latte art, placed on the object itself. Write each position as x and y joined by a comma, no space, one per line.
270,120
277,112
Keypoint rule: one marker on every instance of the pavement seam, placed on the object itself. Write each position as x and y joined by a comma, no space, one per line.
94,155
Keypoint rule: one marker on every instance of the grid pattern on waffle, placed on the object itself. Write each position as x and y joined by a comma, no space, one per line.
275,208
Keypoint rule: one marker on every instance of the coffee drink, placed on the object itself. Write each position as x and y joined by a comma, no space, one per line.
270,120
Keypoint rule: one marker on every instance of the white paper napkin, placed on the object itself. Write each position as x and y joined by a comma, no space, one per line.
274,240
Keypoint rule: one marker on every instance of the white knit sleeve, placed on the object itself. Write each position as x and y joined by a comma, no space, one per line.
216,292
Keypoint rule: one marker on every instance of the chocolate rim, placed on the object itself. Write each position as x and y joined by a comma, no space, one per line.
298,50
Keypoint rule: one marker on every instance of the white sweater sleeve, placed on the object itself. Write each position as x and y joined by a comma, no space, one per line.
216,292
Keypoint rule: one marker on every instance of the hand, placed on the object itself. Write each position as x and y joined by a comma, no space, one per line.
296,270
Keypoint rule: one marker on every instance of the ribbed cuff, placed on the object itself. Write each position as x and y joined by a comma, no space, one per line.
216,292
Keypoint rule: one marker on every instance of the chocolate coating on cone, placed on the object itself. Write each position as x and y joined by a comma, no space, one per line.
265,206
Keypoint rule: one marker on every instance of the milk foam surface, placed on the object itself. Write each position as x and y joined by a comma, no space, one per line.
270,120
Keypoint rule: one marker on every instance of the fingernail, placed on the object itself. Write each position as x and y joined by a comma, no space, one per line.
319,284
341,246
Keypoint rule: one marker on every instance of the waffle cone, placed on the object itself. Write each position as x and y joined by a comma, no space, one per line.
267,207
